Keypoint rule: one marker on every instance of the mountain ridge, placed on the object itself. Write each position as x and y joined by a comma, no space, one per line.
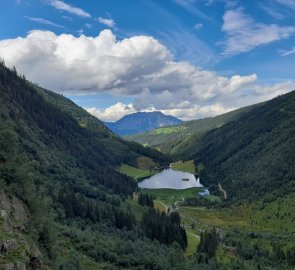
255,152
178,140
141,121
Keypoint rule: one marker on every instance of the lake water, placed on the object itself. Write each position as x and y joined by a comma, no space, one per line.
170,178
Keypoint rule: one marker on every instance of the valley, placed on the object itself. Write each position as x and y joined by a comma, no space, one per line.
57,159
250,222
147,135
249,225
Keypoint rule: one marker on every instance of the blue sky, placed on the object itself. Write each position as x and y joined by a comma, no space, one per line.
189,58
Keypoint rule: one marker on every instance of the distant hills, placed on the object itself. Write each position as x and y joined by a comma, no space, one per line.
180,140
140,122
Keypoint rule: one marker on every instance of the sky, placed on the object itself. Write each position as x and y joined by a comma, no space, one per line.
187,58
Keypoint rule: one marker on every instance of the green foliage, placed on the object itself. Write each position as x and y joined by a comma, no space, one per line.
192,244
165,228
253,157
208,243
145,199
168,130
134,172
185,166
182,140
61,161
199,201
170,196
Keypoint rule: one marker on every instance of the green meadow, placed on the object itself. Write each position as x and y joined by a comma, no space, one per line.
185,166
169,196
136,173
168,130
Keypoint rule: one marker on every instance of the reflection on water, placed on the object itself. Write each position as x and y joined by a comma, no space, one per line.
169,178
204,193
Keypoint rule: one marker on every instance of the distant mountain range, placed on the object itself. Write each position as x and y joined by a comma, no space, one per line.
140,122
249,151
181,140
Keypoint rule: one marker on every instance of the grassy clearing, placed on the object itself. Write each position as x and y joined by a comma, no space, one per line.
274,217
159,206
213,198
168,130
207,218
135,172
145,163
168,196
136,209
192,244
225,257
185,166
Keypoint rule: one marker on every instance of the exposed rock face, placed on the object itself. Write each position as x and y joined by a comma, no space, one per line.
8,245
9,266
20,213
14,216
15,266
7,222
12,211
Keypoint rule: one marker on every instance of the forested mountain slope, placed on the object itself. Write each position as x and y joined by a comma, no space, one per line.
254,156
64,205
58,169
181,140
140,122
52,128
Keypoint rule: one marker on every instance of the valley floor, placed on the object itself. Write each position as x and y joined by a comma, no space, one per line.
249,233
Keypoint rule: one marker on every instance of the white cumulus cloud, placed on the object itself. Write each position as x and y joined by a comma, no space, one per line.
113,112
139,67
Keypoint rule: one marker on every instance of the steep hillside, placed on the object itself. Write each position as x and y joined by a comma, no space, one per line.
252,157
58,167
181,140
64,205
140,122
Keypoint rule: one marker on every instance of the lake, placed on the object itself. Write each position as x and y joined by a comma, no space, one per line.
169,178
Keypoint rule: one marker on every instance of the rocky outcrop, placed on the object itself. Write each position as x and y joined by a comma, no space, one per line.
8,245
13,212
15,252
15,266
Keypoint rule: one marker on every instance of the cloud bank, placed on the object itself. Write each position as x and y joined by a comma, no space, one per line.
139,66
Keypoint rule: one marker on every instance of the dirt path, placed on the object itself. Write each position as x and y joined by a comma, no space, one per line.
222,190
195,235
165,206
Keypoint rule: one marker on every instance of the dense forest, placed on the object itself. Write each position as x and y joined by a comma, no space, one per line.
180,141
248,161
61,163
59,170
253,157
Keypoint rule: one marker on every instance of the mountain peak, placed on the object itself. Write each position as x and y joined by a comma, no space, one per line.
141,121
